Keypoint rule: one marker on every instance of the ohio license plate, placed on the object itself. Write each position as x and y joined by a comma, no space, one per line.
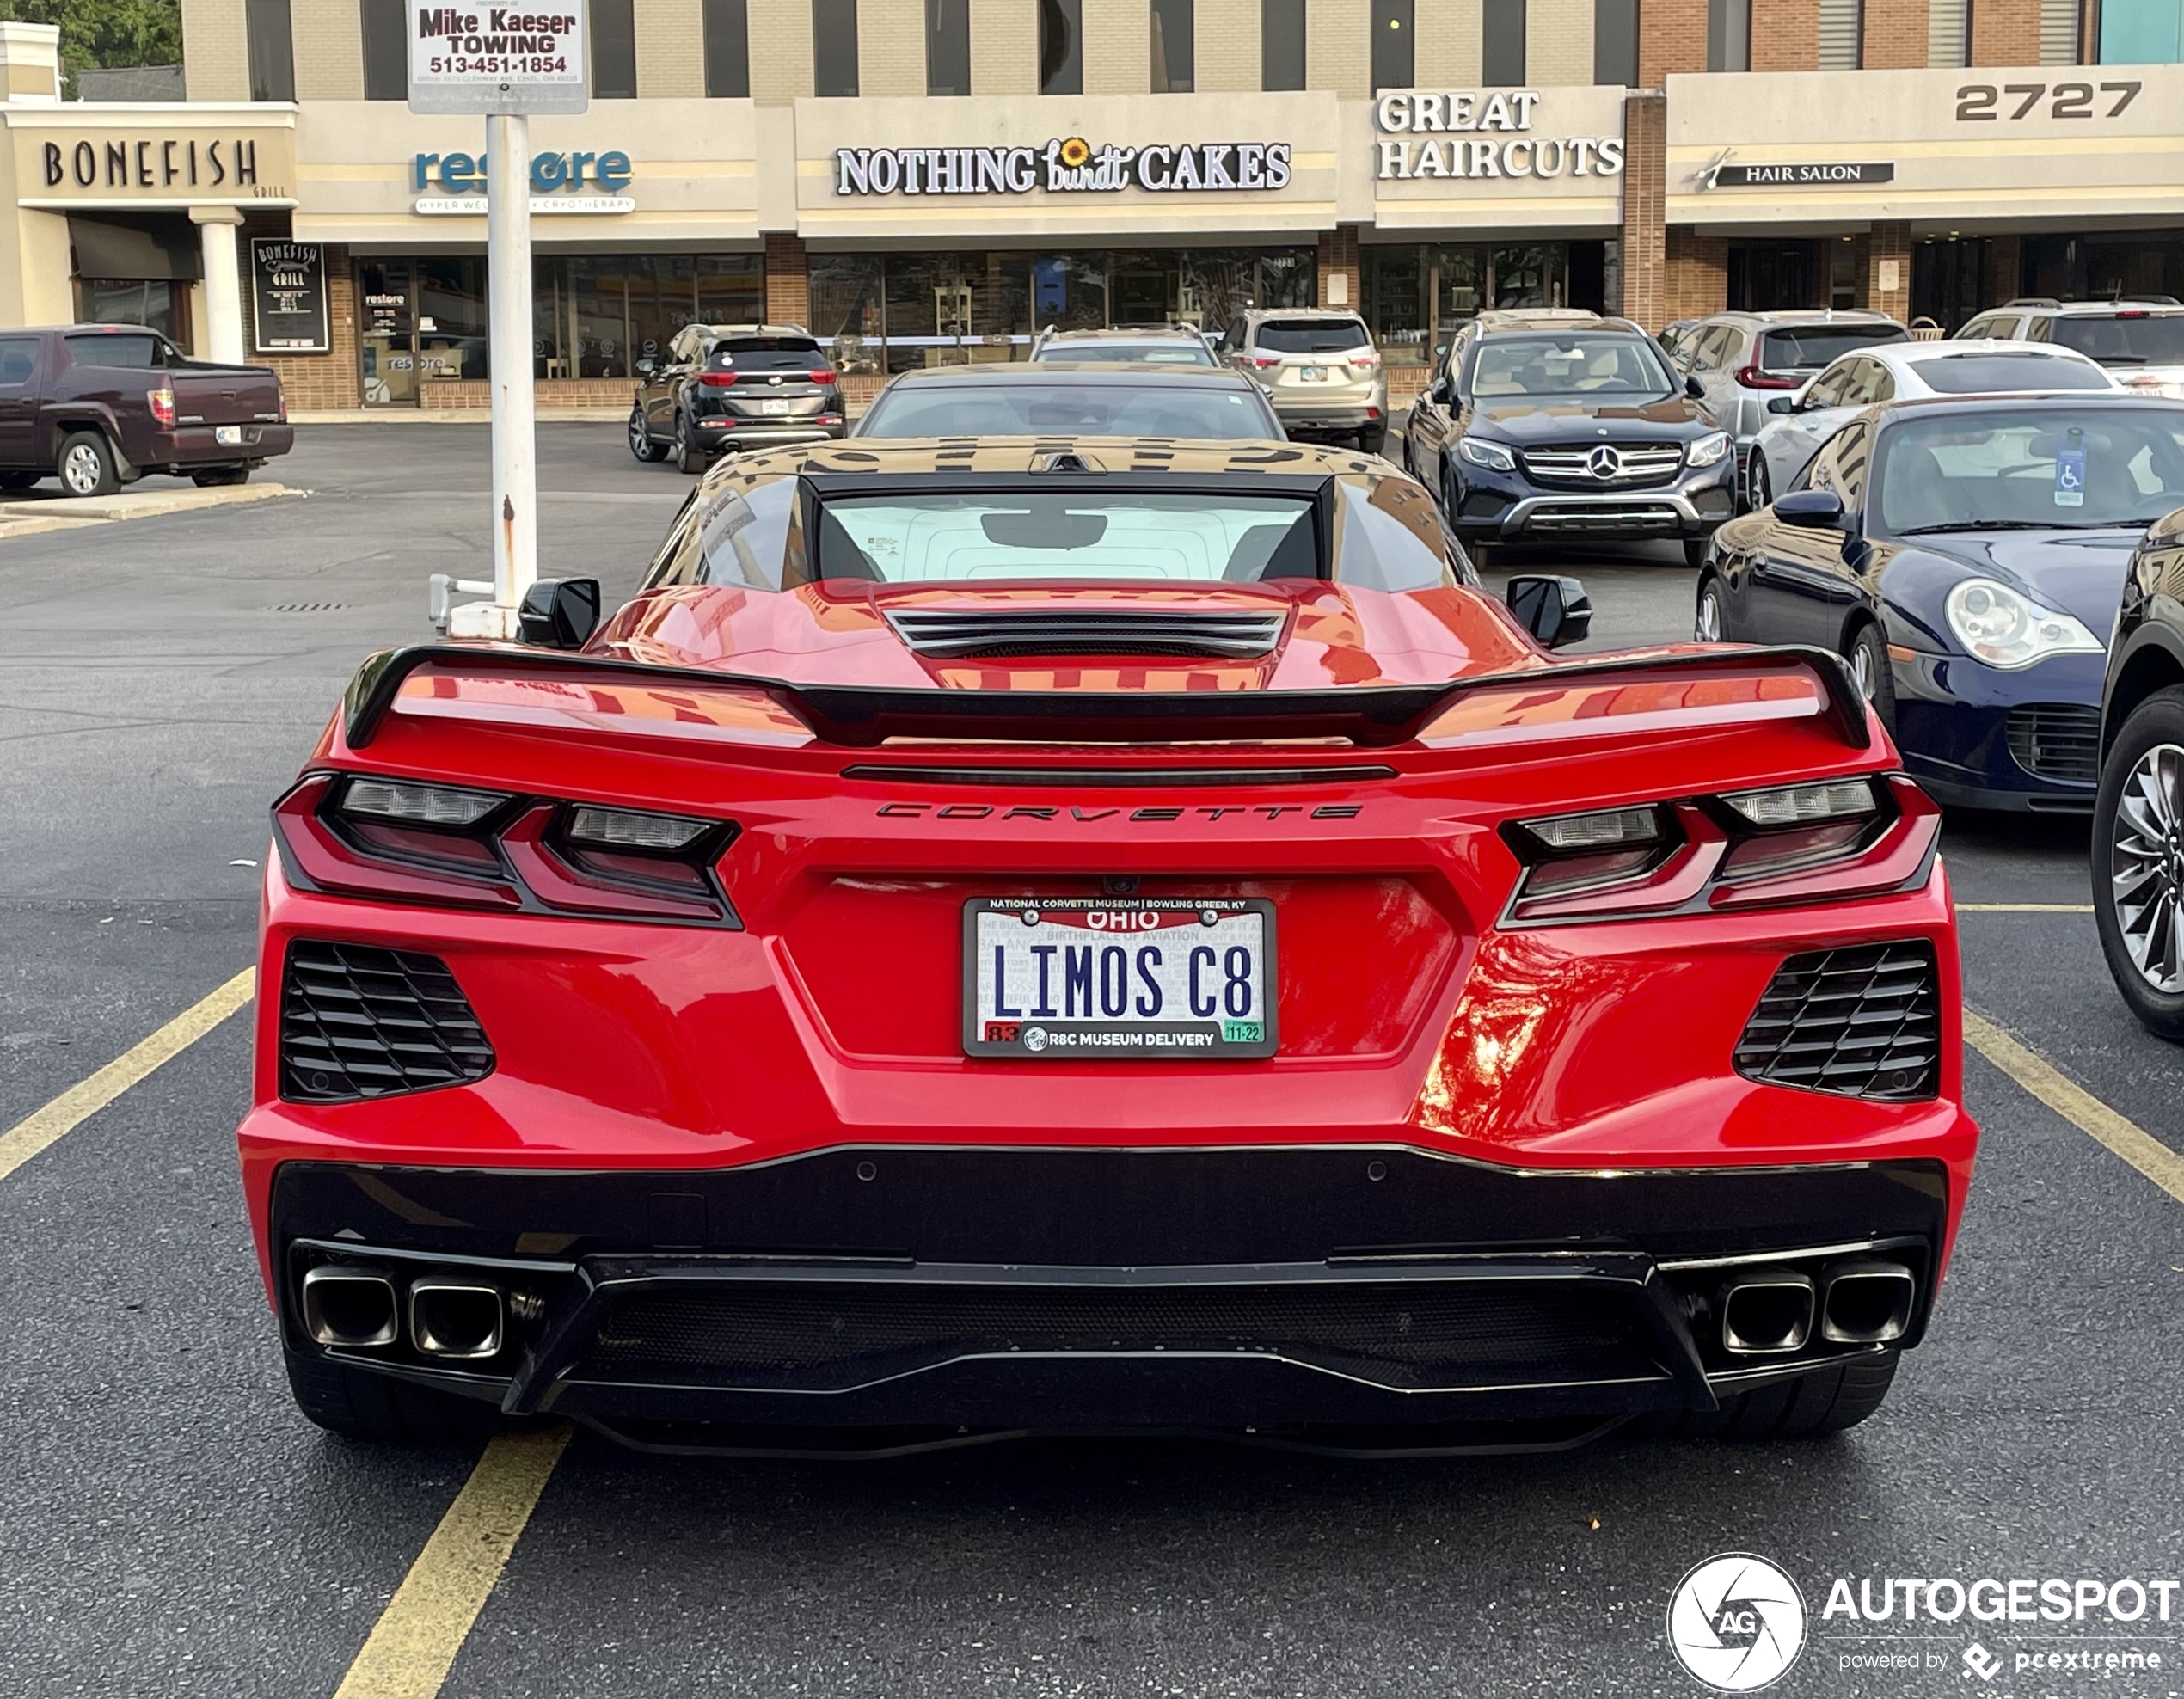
1313,374
774,406
1118,978
228,436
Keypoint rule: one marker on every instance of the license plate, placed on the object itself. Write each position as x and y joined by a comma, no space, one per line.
228,436
1312,374
774,406
1064,979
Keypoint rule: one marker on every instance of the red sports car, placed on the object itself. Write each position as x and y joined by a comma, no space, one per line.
1098,935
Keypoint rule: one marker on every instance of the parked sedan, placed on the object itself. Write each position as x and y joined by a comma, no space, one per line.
1052,398
1966,556
732,387
1901,372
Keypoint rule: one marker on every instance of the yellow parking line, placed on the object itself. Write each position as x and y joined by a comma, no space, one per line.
2077,1105
81,1102
2024,908
414,1644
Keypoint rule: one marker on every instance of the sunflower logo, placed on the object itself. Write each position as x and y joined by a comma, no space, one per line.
1076,151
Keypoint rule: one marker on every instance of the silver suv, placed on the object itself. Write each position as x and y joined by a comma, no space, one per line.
2140,339
1318,367
1743,360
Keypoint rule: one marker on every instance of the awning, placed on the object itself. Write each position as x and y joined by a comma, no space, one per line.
137,245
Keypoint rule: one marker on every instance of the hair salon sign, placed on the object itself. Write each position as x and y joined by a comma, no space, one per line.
1480,133
1064,165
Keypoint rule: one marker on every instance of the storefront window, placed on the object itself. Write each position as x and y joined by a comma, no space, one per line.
1395,290
146,301
731,288
1529,276
1069,292
847,307
452,328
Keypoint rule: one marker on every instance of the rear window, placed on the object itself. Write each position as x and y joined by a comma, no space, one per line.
2125,340
766,353
134,353
1311,336
1127,354
1817,344
1063,409
1991,374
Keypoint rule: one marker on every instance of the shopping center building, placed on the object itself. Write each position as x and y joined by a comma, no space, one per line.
927,181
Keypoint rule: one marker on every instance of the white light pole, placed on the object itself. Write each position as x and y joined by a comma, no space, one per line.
515,469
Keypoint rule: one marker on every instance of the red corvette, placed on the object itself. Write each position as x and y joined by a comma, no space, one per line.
1107,937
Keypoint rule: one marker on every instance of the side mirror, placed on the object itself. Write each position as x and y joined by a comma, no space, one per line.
1781,404
1554,609
1437,392
1694,388
559,613
1814,509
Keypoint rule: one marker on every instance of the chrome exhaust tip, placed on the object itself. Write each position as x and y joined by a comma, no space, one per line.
455,1316
1766,1313
1866,1302
352,1308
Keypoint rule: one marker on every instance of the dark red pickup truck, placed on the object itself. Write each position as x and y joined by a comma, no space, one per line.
101,404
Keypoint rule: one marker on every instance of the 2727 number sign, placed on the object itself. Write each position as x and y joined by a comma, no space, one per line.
1983,102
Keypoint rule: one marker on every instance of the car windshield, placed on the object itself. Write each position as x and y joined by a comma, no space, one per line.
1221,411
1310,336
1809,347
1127,354
1990,374
2061,467
2127,339
765,353
1570,363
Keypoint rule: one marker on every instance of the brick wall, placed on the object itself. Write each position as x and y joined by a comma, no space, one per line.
1450,36
1645,177
329,42
781,50
1886,243
1227,46
671,49
1338,253
1786,35
789,286
2005,31
1004,47
1117,48
1338,46
216,54
309,382
1672,40
891,47
1895,34
1694,276
1558,41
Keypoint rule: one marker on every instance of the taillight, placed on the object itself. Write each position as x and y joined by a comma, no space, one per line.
1756,377
403,841
716,380
1365,359
823,375
163,408
1811,843
1263,362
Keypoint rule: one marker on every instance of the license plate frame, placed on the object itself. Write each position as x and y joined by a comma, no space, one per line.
228,436
776,407
1311,374
1019,1030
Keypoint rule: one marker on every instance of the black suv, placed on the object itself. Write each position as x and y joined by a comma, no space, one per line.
2139,814
733,386
1552,423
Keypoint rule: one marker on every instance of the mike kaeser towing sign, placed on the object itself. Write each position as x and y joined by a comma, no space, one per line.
497,59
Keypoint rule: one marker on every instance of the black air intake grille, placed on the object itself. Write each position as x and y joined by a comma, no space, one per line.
2057,740
823,1334
1864,1022
360,1021
948,634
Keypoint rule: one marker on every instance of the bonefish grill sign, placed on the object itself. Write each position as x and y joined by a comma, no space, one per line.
1064,165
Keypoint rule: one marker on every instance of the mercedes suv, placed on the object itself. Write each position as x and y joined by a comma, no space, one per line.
1553,423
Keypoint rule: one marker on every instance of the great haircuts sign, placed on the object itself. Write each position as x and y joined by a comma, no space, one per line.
1064,165
1480,132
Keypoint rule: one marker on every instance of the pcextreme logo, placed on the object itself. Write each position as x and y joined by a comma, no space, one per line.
1737,1623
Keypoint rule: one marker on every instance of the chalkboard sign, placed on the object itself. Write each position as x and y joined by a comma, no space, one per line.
288,283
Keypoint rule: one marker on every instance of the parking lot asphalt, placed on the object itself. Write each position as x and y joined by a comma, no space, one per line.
174,1527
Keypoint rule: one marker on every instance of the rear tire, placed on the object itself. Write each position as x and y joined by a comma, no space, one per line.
2156,722
220,477
641,443
1695,552
1868,657
1758,489
1372,441
87,466
360,1405
1710,624
1825,1401
689,454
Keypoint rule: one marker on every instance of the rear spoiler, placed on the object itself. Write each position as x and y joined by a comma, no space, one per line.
863,716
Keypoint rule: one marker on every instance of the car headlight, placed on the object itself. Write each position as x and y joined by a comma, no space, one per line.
2008,630
1480,452
1707,449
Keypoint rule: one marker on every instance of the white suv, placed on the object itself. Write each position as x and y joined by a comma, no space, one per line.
2140,339
1319,368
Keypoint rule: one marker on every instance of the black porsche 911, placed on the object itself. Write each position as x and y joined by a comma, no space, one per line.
1967,555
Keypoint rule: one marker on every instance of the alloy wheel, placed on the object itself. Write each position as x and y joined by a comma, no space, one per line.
638,443
81,469
2146,866
1862,669
1710,620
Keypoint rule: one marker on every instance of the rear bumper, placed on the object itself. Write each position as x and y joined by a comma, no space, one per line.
721,433
1279,1289
198,445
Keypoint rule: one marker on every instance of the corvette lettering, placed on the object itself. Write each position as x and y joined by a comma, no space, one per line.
984,811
